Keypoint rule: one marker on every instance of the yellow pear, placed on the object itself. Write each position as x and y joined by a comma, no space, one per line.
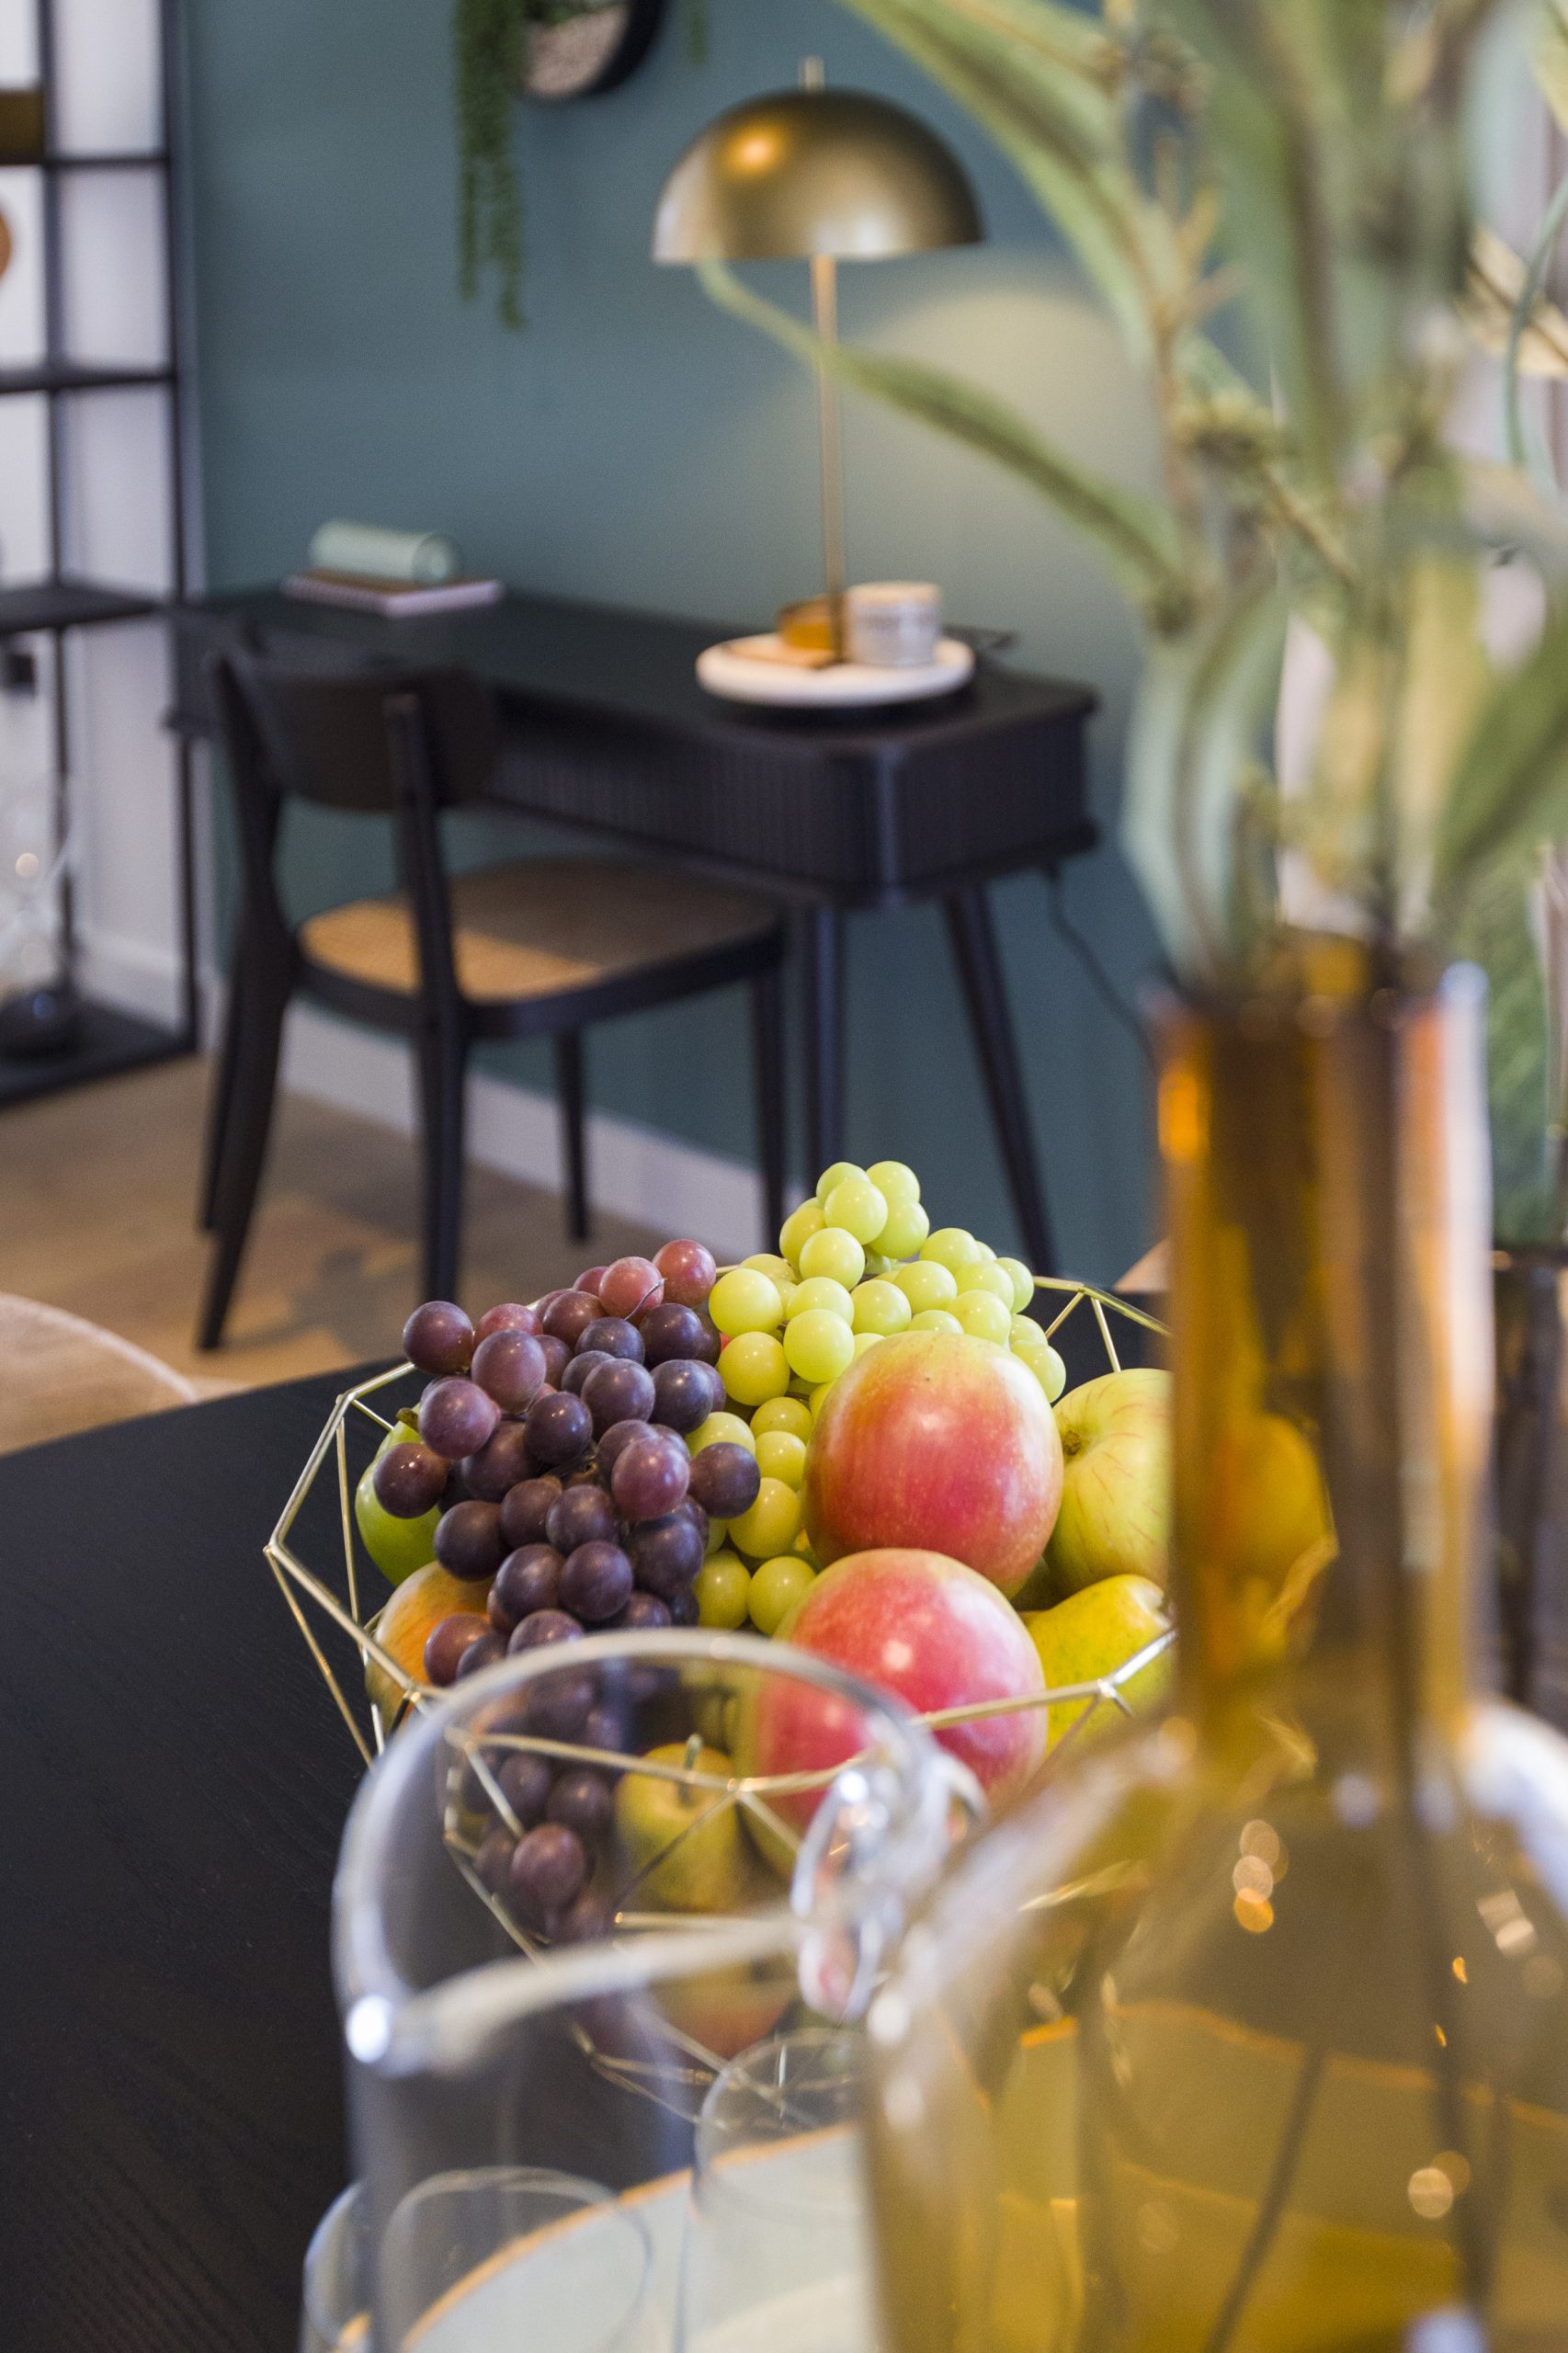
404,1626
1094,1633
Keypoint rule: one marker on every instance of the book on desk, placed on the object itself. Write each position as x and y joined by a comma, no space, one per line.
395,599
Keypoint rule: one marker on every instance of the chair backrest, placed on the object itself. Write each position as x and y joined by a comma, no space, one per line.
334,737
400,744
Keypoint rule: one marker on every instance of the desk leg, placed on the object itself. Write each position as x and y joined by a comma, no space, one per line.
973,941
819,945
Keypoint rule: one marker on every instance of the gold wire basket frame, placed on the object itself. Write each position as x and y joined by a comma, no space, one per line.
294,1578
473,1752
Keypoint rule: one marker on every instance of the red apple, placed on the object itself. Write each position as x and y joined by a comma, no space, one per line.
923,1627
940,1441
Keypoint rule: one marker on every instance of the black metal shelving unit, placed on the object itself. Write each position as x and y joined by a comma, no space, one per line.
107,1039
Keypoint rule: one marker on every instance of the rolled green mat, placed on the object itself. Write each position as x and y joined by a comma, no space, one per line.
367,552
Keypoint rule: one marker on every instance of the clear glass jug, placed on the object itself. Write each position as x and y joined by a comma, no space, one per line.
528,2056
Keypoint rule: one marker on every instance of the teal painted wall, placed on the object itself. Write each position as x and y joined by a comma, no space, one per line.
637,448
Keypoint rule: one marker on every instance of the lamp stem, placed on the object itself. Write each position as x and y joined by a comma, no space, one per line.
824,318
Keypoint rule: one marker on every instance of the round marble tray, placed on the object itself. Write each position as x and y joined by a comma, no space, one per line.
738,672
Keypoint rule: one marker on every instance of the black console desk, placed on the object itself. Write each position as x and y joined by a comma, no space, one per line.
609,732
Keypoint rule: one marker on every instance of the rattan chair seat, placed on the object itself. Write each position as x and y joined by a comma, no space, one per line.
538,928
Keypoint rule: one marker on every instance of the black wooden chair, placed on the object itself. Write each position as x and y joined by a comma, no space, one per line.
534,948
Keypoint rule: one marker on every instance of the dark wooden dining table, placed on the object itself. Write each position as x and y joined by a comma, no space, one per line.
174,1783
608,732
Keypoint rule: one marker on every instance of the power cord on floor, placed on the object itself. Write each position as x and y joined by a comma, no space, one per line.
1104,988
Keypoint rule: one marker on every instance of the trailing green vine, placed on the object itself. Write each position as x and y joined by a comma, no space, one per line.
490,59
489,39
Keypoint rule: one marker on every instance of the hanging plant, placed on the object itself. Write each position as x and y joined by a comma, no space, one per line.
489,38
549,49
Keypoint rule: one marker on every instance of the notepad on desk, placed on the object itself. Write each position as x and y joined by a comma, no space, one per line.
409,599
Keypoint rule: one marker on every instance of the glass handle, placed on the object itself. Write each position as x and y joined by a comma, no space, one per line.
963,1794
859,1868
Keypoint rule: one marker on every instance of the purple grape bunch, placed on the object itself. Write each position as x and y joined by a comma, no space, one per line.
549,1818
552,1440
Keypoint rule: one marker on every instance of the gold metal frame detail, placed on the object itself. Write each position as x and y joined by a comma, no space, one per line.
475,1755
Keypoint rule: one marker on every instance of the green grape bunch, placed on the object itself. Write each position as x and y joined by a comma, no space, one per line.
858,1264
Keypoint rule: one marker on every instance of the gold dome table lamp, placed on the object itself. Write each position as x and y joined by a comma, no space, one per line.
824,176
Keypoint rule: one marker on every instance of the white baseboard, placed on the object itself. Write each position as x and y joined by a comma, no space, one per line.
633,1172
131,973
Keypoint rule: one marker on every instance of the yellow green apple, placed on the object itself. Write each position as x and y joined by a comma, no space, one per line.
1116,1506
726,2010
1091,1635
685,1847
685,1850
398,1547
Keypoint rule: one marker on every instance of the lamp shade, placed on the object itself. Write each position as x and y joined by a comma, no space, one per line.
815,171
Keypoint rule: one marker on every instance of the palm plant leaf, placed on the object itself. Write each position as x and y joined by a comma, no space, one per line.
1063,40
1500,509
1278,215
1136,535
1534,273
1549,57
1033,75
1336,128
1447,678
1509,790
1202,702
1494,283
1497,933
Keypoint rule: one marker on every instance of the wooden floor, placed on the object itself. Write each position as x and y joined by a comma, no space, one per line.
97,1191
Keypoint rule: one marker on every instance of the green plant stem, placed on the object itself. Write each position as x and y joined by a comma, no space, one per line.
1262,79
1536,268
1333,131
1271,2205
1508,792
1296,516
1223,703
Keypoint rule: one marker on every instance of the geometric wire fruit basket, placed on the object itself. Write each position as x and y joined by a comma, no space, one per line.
479,1808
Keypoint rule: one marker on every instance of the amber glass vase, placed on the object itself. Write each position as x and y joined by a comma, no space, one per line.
1252,2032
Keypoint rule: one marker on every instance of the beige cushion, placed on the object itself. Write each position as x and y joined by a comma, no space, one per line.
59,1374
538,928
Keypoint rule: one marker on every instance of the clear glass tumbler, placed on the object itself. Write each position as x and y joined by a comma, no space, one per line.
516,2256
335,2309
778,2256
